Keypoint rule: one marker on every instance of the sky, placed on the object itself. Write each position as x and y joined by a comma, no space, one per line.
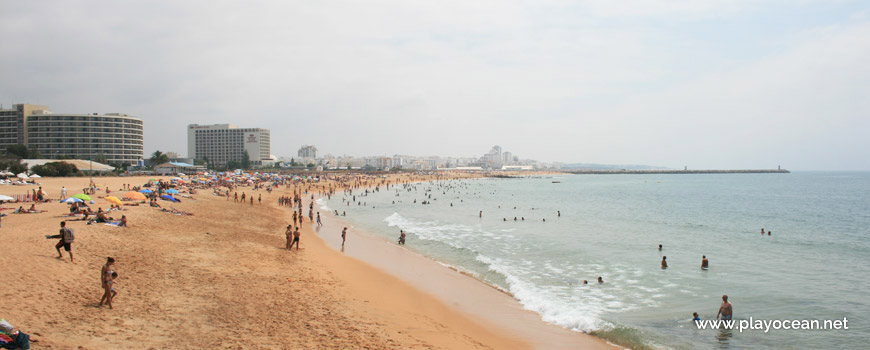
718,84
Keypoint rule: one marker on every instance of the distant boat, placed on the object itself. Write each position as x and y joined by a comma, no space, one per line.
557,182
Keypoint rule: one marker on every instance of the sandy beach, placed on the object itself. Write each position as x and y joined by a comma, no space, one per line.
220,278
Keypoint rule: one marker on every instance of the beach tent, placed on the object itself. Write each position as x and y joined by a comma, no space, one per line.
135,195
82,196
6,198
169,198
113,200
172,191
145,190
71,200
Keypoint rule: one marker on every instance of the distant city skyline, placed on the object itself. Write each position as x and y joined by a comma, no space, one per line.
711,85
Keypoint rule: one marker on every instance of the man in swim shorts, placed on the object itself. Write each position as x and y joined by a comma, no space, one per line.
66,240
725,309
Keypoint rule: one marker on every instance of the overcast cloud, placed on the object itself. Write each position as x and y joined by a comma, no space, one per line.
708,84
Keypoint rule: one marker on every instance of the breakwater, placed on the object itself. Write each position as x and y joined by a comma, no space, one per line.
671,171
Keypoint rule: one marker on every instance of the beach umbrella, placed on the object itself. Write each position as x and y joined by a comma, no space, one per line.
35,176
114,200
71,200
135,195
82,196
6,198
145,190
169,198
23,176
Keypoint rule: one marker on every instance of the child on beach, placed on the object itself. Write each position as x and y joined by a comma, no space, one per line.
110,288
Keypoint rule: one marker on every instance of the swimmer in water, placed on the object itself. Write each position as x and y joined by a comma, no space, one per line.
600,280
725,309
660,247
705,264
664,262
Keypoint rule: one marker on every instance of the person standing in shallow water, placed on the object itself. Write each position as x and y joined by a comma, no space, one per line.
705,264
343,236
664,262
725,309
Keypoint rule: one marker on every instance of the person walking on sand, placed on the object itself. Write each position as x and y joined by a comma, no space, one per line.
296,235
110,288
260,199
288,234
318,220
106,276
66,240
343,236
725,309
63,192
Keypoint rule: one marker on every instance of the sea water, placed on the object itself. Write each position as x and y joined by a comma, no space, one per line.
814,264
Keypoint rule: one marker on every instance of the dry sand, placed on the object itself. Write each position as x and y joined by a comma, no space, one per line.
218,279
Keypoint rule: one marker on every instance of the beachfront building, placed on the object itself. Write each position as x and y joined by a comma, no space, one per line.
219,144
13,122
307,151
113,137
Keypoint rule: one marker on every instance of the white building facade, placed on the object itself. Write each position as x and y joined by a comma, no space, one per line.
218,144
116,137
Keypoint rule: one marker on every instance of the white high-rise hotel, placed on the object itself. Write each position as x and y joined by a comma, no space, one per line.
220,143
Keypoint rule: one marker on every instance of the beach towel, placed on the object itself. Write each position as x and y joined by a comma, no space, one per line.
17,340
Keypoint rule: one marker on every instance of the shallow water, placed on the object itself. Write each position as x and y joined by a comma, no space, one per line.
813,266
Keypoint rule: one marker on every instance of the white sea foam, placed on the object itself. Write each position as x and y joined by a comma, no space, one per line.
532,297
322,204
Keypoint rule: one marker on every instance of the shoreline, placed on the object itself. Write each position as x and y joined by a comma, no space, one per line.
460,290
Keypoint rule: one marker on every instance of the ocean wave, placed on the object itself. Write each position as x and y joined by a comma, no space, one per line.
544,302
322,204
555,304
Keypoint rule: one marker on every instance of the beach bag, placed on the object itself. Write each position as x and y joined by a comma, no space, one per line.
68,236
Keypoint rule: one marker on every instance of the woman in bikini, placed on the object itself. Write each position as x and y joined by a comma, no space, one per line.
105,278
